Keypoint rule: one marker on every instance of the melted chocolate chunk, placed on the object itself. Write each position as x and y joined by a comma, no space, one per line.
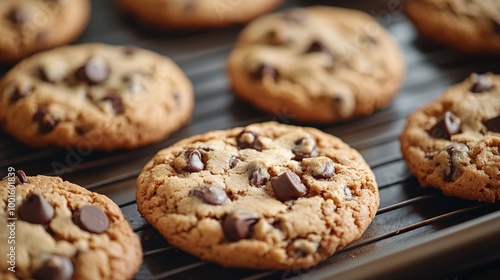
481,83
321,168
238,225
116,102
46,122
129,50
304,148
194,161
456,153
91,218
265,71
288,186
249,140
257,174
21,177
94,71
493,124
233,161
18,15
56,268
446,126
210,194
36,210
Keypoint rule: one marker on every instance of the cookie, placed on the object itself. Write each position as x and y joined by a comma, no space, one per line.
317,64
29,26
53,229
470,26
286,196
196,13
453,143
94,96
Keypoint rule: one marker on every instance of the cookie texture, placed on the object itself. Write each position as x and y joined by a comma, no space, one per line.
29,26
286,196
453,143
94,96
63,231
317,64
196,13
471,26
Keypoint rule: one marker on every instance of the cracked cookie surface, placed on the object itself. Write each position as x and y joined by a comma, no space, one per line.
316,64
29,26
63,231
286,196
471,26
94,96
196,13
453,143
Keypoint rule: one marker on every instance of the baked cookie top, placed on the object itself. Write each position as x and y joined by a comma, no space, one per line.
94,96
196,13
317,64
287,196
453,142
471,26
63,231
28,26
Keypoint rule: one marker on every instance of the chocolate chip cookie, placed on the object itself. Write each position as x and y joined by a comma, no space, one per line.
28,26
94,96
453,143
196,13
317,64
471,26
286,196
53,229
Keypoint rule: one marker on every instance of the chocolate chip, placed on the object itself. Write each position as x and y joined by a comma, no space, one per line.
233,161
56,268
481,83
321,168
177,100
317,46
116,102
94,71
21,177
249,140
257,173
18,15
457,153
46,122
305,147
344,104
493,124
210,194
238,225
20,92
288,186
81,130
36,210
447,125
279,36
265,71
91,218
194,161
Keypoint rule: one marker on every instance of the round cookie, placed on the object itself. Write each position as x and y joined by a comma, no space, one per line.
471,26
58,230
196,13
317,64
94,96
453,143
29,26
289,197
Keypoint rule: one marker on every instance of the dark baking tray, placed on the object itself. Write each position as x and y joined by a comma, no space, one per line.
417,233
